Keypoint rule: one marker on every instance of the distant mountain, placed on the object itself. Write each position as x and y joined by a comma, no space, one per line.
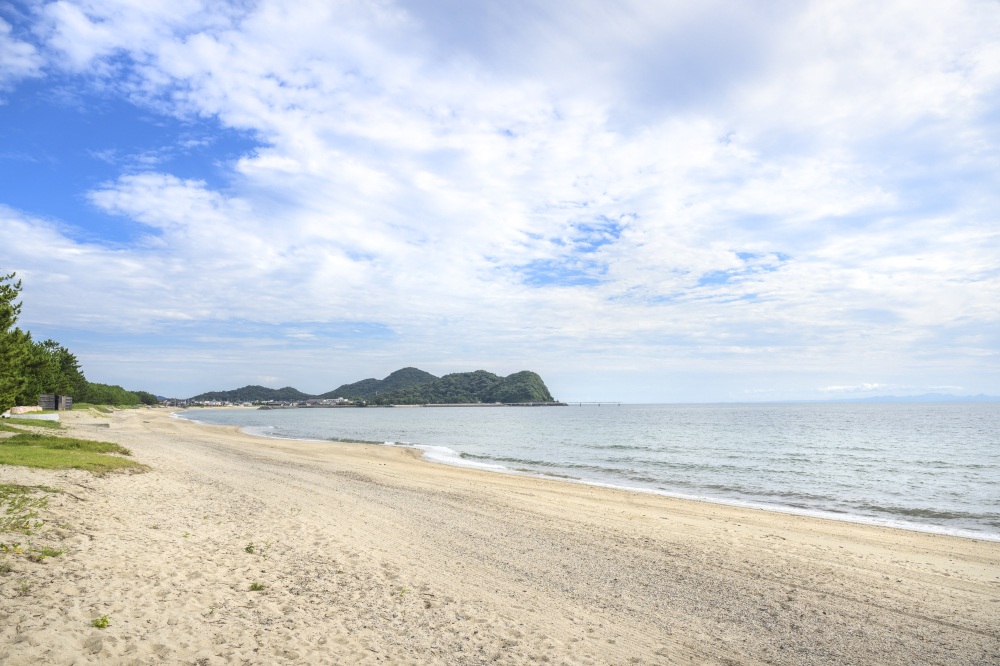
367,389
928,397
409,386
471,387
253,394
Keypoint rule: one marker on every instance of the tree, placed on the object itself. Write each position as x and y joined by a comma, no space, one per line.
15,344
51,368
146,398
108,394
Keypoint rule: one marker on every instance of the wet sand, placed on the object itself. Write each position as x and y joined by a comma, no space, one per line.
369,555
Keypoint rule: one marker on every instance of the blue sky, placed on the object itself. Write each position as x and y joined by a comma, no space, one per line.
647,202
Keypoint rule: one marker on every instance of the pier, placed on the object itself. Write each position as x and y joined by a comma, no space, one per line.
598,403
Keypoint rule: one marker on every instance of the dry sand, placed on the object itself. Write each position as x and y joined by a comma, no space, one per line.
370,555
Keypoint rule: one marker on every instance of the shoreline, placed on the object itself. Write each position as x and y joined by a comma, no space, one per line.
446,456
368,554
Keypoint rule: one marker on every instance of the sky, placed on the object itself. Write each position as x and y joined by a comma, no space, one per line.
641,201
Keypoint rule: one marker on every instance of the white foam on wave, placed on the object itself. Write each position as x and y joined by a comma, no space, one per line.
184,416
446,456
262,431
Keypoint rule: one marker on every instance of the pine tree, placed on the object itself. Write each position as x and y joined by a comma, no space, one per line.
51,368
15,344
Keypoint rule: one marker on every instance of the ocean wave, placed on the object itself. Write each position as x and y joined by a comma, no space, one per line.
923,512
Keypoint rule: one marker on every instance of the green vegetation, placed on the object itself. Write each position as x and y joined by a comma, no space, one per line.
102,622
29,369
14,343
257,587
357,391
368,389
50,452
472,387
145,398
19,506
35,423
102,409
112,394
64,443
39,554
257,549
6,428
11,547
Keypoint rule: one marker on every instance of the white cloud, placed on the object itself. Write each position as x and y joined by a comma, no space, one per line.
18,59
86,32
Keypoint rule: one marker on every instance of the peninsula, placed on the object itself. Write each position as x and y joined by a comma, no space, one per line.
407,386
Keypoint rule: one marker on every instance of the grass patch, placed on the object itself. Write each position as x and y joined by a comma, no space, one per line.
36,423
257,587
19,506
102,622
39,554
6,428
51,452
103,409
30,456
65,443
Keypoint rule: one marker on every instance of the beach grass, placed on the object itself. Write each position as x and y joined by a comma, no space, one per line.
51,452
6,428
36,423
103,409
65,443
19,506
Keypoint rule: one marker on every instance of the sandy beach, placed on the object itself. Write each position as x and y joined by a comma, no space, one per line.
368,554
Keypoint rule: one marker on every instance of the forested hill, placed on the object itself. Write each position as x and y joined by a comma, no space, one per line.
471,387
367,389
254,394
409,386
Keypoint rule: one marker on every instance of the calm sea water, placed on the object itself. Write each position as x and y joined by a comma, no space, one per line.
926,466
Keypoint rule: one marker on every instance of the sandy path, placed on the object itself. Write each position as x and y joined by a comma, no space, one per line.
369,555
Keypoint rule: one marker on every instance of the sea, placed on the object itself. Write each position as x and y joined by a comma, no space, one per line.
925,466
